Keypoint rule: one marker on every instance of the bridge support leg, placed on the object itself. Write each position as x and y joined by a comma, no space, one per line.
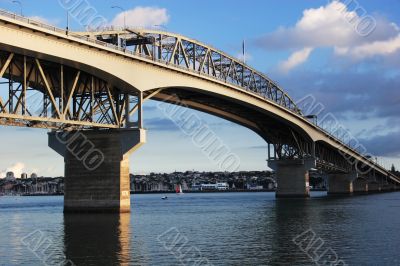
97,168
387,187
341,184
292,177
360,186
374,187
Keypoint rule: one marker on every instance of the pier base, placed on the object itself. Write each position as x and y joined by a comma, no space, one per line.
341,184
387,188
97,168
292,177
374,187
360,186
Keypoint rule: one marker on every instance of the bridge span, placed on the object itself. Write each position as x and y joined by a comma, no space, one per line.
90,86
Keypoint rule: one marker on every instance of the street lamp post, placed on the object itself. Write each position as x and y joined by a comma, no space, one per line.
313,117
124,12
67,22
244,51
20,5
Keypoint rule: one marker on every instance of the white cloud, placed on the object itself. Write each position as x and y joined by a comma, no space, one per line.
371,49
335,26
17,169
295,59
142,17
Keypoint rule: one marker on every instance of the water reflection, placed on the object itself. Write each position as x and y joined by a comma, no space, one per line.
294,217
227,228
291,217
97,239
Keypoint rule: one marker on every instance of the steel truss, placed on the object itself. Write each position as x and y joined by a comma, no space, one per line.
38,93
196,57
298,147
331,161
293,146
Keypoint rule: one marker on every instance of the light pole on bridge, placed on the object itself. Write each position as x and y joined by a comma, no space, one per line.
67,22
244,51
124,13
20,6
314,118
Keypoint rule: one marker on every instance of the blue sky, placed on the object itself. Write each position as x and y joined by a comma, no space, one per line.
309,47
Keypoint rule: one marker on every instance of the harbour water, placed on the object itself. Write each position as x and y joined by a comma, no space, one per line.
214,228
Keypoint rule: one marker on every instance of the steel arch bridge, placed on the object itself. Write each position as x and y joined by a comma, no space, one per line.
81,80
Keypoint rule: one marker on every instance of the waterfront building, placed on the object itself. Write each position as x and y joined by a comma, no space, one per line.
196,187
10,176
217,186
254,187
208,186
222,186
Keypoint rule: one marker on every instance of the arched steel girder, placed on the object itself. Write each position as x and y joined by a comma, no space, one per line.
235,110
194,56
286,137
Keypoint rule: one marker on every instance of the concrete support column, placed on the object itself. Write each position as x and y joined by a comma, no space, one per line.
341,184
292,177
97,168
360,186
374,187
387,187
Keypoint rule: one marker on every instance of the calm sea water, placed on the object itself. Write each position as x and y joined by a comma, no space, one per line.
215,228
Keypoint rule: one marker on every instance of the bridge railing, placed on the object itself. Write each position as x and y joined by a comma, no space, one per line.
46,26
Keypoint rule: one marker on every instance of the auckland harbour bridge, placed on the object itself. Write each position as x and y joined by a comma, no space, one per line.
93,84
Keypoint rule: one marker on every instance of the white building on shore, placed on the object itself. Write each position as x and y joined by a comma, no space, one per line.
217,186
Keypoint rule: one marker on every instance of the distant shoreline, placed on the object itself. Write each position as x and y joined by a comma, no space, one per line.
212,191
202,191
169,192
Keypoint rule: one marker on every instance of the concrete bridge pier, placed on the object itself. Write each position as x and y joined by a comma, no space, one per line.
292,177
374,187
360,186
387,187
341,184
97,167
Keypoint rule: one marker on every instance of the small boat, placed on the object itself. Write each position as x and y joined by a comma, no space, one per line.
178,190
164,198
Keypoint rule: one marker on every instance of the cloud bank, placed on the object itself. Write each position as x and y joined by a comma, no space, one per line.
145,17
18,168
331,26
